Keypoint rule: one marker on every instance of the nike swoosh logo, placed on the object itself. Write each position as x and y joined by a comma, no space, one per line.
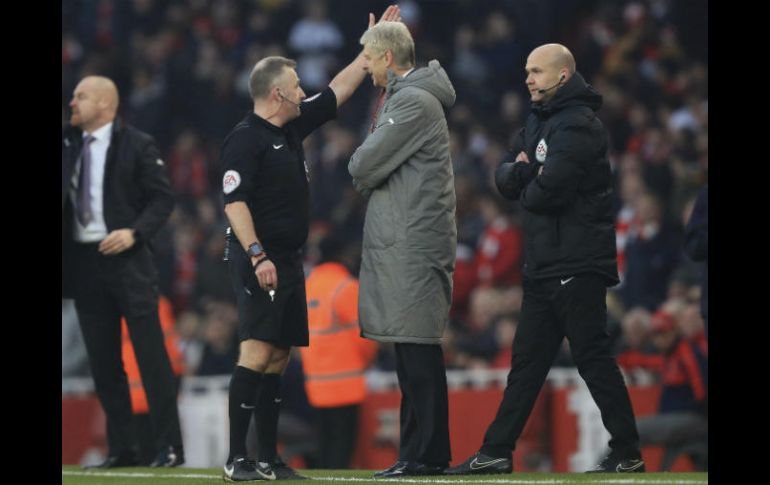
477,465
620,468
564,282
229,470
244,406
277,146
270,476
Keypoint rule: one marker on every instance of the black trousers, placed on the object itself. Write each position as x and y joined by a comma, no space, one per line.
551,311
424,404
109,287
145,436
337,428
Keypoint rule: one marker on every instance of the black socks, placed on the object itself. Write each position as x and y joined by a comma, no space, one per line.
243,392
266,414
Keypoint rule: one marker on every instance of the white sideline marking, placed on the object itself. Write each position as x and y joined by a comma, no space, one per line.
513,481
136,475
553,481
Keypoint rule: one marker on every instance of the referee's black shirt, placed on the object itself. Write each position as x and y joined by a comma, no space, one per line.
265,167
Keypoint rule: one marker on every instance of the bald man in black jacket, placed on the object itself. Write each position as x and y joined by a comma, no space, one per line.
559,172
115,197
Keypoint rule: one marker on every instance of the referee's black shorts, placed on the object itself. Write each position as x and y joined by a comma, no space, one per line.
281,321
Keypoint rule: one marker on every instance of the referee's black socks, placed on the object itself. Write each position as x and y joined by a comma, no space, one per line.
266,415
243,392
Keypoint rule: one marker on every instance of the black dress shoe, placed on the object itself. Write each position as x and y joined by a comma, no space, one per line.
481,464
168,457
422,469
284,471
614,464
114,461
394,468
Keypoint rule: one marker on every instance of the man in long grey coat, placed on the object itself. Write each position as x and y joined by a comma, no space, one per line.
404,169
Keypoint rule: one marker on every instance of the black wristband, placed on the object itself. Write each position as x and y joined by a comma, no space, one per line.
260,262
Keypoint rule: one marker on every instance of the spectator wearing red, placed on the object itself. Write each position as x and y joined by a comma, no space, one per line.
498,258
635,349
682,419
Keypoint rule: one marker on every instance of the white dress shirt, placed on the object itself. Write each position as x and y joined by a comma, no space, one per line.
96,230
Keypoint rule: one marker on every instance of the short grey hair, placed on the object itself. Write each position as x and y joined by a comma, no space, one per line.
392,36
265,73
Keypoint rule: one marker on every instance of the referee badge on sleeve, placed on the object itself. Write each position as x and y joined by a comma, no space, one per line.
231,181
541,151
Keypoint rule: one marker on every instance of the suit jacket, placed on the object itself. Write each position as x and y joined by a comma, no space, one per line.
137,193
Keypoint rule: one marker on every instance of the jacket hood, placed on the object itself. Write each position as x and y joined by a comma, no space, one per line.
575,92
432,78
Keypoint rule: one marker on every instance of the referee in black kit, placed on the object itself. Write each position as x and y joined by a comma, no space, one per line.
561,177
265,184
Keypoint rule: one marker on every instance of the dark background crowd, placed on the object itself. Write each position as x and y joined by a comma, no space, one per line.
182,70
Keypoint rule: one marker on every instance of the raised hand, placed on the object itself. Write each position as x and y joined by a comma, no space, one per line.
391,14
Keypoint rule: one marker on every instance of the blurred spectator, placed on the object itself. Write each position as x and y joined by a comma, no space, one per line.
626,222
681,424
189,328
314,39
469,69
146,107
505,332
220,348
498,260
185,244
635,349
188,167
212,279
691,326
696,244
651,255
470,225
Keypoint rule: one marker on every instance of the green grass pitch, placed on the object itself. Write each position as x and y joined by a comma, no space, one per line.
74,475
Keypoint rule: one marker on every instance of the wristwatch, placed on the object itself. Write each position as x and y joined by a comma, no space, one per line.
255,250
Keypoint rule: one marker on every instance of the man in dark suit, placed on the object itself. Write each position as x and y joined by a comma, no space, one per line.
115,197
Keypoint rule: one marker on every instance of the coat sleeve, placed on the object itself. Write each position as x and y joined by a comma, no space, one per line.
398,136
511,177
571,147
155,184
696,234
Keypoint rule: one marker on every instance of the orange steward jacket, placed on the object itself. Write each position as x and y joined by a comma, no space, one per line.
335,361
138,397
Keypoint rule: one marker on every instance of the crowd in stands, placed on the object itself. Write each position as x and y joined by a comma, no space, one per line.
182,69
